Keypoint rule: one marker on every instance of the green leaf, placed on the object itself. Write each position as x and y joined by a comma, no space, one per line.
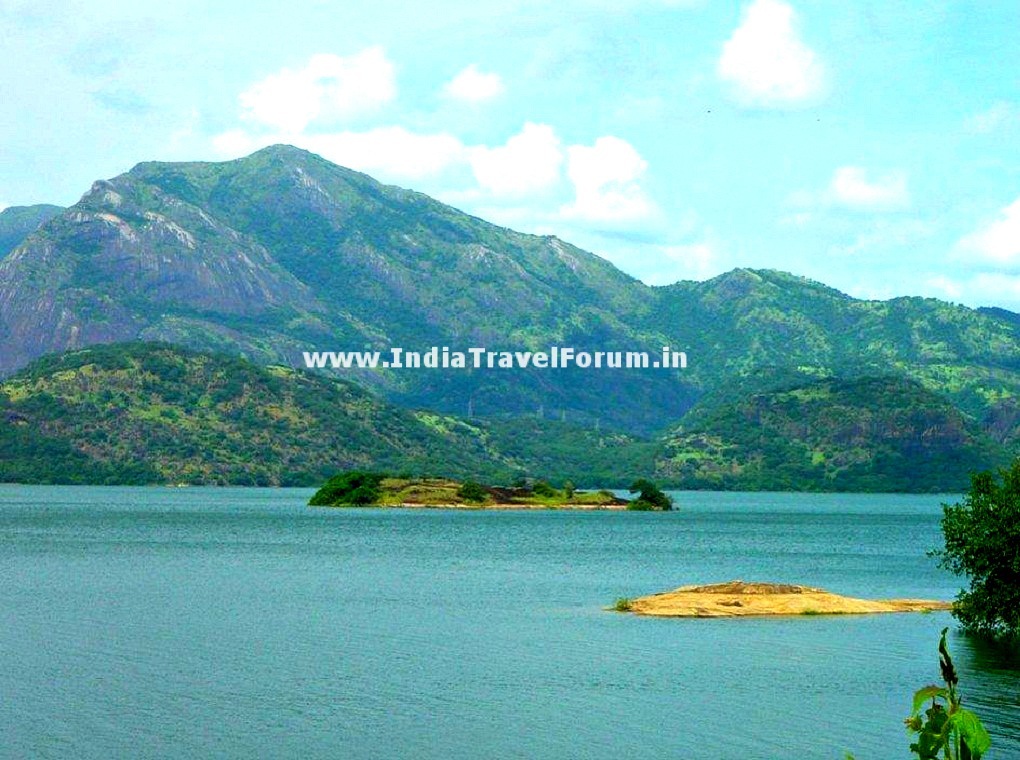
928,745
971,731
922,696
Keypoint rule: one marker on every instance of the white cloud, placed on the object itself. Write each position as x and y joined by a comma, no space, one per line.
390,151
945,287
998,241
765,60
694,261
522,177
236,143
982,289
993,288
852,187
883,233
799,219
328,87
998,115
528,162
606,182
474,86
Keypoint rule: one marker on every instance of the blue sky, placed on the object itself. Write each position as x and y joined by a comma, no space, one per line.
874,146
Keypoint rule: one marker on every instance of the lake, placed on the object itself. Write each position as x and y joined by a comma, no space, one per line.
201,622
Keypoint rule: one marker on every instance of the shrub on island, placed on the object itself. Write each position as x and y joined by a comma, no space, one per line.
473,492
354,488
650,498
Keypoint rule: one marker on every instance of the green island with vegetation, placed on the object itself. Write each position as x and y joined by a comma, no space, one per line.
359,488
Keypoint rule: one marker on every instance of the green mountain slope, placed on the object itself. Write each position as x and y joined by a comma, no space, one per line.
151,413
18,222
867,434
155,413
755,329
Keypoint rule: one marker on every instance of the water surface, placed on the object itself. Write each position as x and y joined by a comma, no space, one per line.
145,622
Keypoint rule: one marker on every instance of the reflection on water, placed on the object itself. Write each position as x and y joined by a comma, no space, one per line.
239,623
995,694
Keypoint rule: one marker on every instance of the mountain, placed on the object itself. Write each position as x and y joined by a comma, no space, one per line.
282,252
18,222
753,330
155,413
868,434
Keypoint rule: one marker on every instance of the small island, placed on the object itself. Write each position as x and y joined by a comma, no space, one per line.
374,489
739,599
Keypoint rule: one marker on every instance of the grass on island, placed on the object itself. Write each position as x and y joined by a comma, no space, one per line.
359,488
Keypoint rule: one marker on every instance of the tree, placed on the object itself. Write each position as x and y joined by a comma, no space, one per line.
541,488
354,487
472,491
650,497
982,542
569,488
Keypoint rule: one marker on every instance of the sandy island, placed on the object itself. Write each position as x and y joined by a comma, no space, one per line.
737,598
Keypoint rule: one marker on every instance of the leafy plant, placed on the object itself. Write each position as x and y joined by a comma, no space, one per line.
947,730
623,604
982,542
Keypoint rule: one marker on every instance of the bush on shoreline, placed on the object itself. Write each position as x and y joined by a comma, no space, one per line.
982,542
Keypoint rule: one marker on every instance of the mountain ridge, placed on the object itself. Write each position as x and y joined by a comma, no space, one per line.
283,251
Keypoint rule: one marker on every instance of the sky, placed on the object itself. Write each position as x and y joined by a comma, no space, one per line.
873,146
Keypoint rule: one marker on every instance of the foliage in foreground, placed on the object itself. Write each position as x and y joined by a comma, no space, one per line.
947,730
982,542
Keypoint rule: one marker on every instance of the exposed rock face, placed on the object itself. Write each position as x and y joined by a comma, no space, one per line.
738,599
124,260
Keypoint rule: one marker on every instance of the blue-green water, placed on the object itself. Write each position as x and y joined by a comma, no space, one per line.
240,623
